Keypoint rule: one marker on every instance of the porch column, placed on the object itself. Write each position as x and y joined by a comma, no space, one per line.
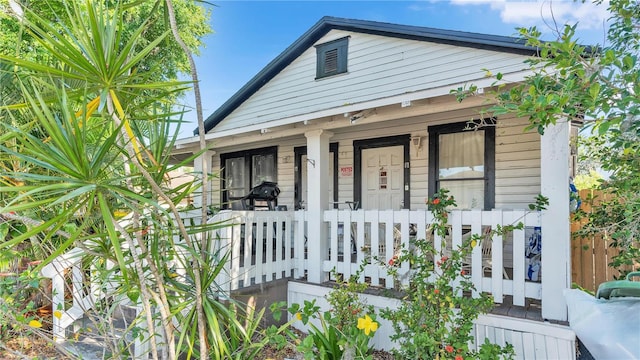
317,201
201,170
556,236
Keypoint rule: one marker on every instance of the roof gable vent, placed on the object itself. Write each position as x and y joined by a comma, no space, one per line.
332,58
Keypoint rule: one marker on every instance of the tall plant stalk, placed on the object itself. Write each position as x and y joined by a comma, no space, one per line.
101,64
205,171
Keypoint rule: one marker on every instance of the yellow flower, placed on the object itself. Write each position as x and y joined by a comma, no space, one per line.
57,314
298,316
120,213
35,324
473,243
367,325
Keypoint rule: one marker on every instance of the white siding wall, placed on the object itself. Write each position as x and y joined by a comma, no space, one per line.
517,164
517,158
378,67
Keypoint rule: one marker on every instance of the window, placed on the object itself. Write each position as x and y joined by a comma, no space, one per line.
244,170
332,58
462,161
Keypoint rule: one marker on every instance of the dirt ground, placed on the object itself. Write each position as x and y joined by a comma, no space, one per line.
33,347
290,353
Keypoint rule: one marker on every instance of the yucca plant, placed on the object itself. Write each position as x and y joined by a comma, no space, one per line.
93,131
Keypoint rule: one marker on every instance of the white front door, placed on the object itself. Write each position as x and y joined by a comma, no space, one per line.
383,178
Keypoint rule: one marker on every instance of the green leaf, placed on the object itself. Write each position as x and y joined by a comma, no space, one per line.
594,90
603,127
133,294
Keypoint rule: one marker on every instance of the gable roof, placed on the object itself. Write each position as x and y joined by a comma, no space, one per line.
328,23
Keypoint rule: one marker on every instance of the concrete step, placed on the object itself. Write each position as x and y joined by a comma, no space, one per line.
90,343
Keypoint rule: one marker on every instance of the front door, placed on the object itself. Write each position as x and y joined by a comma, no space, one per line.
383,178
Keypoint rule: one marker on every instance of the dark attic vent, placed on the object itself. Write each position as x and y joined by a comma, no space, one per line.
331,61
332,58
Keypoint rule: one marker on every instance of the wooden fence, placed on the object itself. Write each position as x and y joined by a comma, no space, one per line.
591,255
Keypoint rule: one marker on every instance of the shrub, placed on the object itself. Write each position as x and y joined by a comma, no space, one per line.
435,317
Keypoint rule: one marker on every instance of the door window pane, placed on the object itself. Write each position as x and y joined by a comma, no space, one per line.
264,169
235,176
244,170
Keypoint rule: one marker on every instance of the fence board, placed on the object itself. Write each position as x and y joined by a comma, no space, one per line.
590,255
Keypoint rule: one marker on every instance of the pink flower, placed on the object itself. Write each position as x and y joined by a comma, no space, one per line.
449,349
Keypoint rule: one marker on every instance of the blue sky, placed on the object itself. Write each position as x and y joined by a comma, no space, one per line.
249,34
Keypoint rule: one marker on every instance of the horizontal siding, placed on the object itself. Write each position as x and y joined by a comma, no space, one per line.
517,172
378,67
517,164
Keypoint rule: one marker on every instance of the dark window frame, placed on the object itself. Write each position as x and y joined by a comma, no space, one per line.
247,154
489,157
359,145
302,150
339,47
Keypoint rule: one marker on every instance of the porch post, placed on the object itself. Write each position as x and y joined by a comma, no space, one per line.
556,236
317,201
199,172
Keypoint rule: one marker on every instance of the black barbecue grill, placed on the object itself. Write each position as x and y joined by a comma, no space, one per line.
261,196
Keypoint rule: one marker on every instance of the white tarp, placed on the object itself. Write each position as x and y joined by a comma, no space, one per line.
610,329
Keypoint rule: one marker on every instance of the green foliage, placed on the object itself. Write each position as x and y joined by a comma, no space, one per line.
541,203
597,86
588,181
436,313
345,330
85,142
18,302
164,64
322,342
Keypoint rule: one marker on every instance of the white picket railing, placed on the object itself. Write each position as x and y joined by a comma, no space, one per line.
268,245
376,235
70,278
262,246
76,275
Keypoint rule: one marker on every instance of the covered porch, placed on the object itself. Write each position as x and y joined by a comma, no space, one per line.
300,244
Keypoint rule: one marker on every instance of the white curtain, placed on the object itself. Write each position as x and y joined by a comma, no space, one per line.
461,159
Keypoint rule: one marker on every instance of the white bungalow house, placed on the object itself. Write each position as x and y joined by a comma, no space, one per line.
356,124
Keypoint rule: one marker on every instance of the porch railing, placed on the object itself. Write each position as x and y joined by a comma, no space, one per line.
70,278
262,246
268,245
376,235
